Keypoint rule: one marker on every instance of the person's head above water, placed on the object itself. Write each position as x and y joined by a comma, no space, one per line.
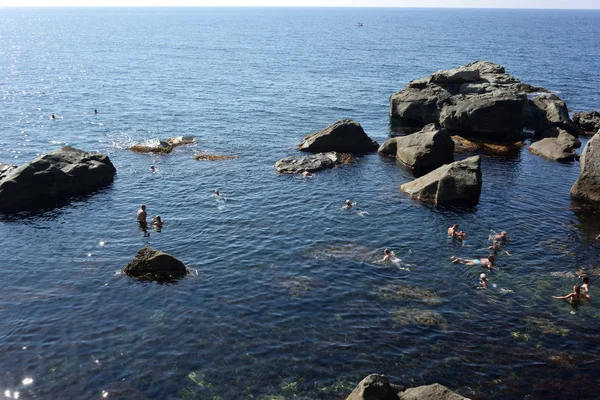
482,277
158,218
217,192
348,203
143,207
386,251
585,279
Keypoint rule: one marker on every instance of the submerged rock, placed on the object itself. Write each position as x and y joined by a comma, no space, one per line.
162,146
422,151
587,186
559,148
378,387
311,163
462,144
149,263
459,182
344,136
480,100
588,121
56,176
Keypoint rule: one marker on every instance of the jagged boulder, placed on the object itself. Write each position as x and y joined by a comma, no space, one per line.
149,263
162,146
344,136
311,163
587,186
378,387
459,182
588,121
479,100
56,176
422,151
561,147
548,111
5,169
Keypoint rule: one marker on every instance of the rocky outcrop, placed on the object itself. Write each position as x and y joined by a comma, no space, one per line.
344,136
480,100
462,144
587,186
459,182
378,387
588,121
56,176
559,148
548,111
153,264
5,169
162,146
311,163
422,151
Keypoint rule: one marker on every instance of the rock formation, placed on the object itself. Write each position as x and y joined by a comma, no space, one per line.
423,151
378,387
311,163
149,263
459,182
588,121
162,146
56,176
558,148
344,136
480,100
587,186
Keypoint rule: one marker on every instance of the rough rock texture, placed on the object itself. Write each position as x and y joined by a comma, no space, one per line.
561,147
459,182
149,263
162,146
63,173
5,169
479,100
587,186
588,121
548,111
344,136
462,144
311,163
378,387
422,151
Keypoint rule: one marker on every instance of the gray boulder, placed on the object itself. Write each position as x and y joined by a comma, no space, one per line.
311,163
5,169
561,147
378,387
56,176
344,136
422,151
459,182
588,121
149,263
587,186
421,105
548,111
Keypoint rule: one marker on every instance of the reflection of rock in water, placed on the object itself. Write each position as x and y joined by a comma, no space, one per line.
296,285
402,292
563,274
544,326
415,316
345,250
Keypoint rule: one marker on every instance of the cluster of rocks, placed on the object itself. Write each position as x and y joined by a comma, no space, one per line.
378,387
162,146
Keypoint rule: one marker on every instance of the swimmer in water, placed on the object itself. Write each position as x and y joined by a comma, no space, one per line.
586,283
217,193
483,281
152,168
501,237
387,255
453,230
306,174
575,296
484,262
157,222
95,111
141,219
495,248
53,117
462,235
348,204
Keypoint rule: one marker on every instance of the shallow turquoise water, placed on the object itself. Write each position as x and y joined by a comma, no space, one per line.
286,299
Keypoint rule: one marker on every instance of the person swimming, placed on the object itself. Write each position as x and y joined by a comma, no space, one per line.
453,230
575,296
306,174
53,116
501,237
141,220
387,255
217,193
152,168
586,283
348,204
483,281
495,248
157,221
484,262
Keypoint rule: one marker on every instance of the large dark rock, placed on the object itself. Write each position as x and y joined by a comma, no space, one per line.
5,169
588,121
559,148
587,186
459,182
548,111
311,163
378,387
479,100
422,151
149,263
56,176
344,136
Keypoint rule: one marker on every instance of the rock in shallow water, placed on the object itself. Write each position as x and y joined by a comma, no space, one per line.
56,176
311,163
559,148
344,136
378,387
162,146
149,263
588,121
587,186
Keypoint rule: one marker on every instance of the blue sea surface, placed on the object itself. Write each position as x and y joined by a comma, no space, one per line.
286,300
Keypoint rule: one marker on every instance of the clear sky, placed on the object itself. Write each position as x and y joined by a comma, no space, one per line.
575,4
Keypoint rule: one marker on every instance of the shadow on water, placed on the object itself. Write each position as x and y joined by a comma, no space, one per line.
403,127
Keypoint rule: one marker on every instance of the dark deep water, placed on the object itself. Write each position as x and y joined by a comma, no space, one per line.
286,301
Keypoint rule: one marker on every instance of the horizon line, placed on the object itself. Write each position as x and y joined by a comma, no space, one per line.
284,6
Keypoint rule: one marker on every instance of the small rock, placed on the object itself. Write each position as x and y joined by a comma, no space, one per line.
149,263
344,136
311,163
